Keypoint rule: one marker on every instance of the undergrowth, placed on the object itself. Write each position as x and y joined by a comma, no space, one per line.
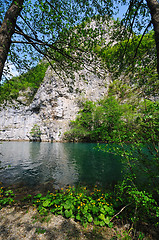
94,206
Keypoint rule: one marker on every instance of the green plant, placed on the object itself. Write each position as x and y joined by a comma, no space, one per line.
35,133
118,59
109,121
100,208
40,231
78,203
139,205
30,80
97,121
6,197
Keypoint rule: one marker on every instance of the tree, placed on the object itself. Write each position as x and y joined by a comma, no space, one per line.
139,16
35,27
7,30
153,5
43,28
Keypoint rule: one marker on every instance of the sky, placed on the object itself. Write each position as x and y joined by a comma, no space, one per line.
12,68
122,10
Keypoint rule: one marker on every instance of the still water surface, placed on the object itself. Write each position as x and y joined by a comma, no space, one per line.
33,163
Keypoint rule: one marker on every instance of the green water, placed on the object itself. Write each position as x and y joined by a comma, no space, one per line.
59,164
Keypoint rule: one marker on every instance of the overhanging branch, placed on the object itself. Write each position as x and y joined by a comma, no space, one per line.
142,38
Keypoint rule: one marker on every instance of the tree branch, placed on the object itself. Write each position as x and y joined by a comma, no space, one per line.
34,41
120,211
132,23
56,10
142,38
29,26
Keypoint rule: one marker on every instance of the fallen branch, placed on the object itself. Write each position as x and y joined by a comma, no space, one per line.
119,212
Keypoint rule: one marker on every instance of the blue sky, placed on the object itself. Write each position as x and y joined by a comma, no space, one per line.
12,70
122,10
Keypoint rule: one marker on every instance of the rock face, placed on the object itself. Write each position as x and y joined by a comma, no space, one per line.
56,103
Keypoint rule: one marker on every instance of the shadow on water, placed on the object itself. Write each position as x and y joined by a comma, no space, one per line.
35,164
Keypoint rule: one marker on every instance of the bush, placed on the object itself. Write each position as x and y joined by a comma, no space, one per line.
35,133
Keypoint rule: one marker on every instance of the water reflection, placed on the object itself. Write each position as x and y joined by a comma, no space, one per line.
58,163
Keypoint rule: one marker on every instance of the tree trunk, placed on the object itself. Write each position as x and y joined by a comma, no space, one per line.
154,10
7,30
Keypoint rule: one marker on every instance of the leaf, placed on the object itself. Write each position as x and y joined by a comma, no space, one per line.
59,212
57,201
38,195
52,210
89,218
102,210
46,203
107,209
68,205
85,225
110,224
97,222
86,208
107,220
102,223
94,210
68,213
78,217
84,211
102,217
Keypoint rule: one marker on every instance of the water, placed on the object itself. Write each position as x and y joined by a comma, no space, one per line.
59,164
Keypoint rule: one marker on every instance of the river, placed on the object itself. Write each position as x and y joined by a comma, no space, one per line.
58,164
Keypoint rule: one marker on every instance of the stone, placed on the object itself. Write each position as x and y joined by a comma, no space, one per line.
57,100
54,105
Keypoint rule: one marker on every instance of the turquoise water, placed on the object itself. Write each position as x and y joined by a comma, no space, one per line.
59,164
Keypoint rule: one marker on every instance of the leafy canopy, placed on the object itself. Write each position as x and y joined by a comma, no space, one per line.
44,25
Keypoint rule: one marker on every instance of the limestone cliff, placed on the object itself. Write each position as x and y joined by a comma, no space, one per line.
56,103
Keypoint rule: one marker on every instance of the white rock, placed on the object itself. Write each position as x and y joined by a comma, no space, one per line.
53,106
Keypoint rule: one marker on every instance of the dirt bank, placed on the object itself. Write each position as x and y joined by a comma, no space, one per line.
18,223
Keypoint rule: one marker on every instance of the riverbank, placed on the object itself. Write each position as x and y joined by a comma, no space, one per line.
26,223
36,216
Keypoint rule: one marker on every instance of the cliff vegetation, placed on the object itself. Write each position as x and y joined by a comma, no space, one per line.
23,87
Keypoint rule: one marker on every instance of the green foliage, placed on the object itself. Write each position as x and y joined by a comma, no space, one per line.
112,55
40,231
140,162
93,205
148,119
35,133
25,85
78,203
140,159
140,205
121,90
109,121
133,62
6,197
96,121
50,25
127,48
